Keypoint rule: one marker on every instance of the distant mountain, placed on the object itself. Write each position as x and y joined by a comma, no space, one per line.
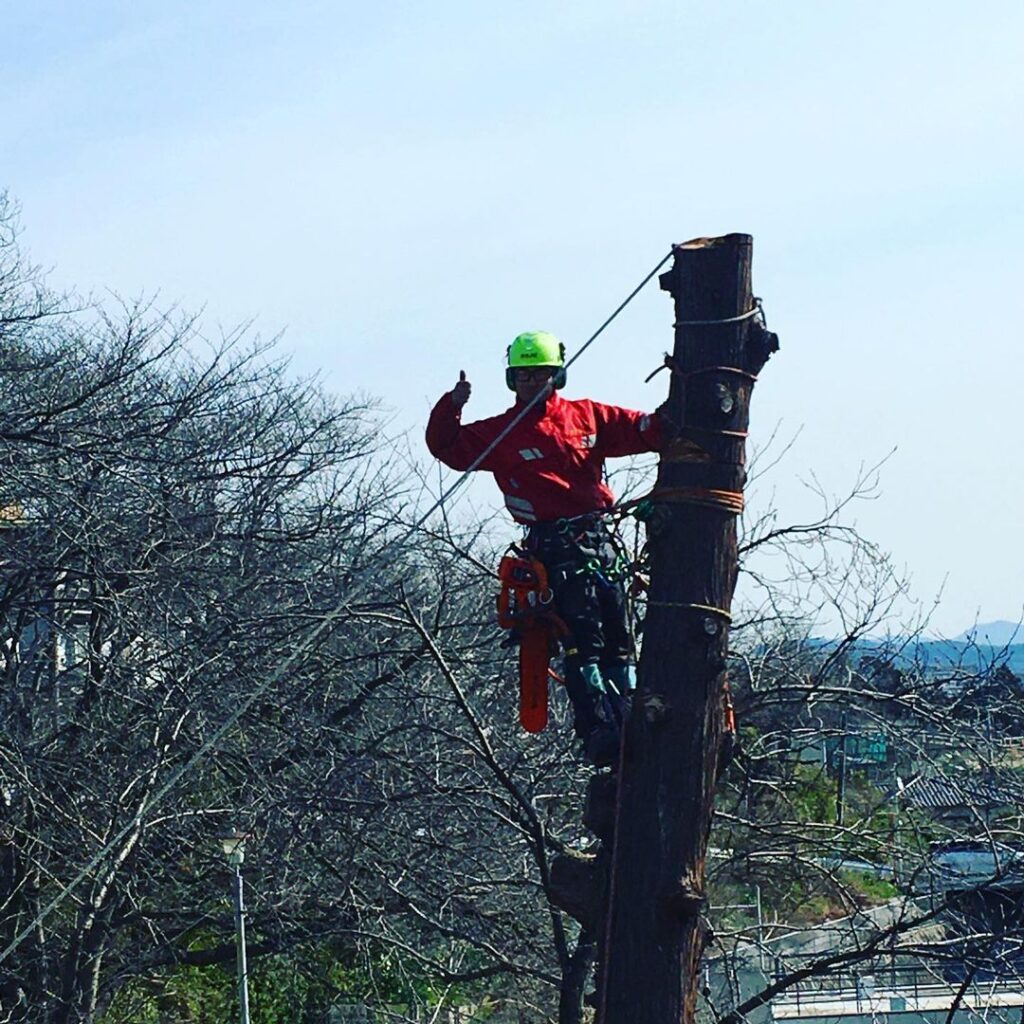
973,655
995,634
978,655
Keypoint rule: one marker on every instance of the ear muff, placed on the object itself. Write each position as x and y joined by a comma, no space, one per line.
559,376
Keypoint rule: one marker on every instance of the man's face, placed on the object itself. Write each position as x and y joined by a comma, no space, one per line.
530,380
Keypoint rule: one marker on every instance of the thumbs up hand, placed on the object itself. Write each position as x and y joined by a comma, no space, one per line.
461,392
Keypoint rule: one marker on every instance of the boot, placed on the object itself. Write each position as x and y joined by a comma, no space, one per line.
602,746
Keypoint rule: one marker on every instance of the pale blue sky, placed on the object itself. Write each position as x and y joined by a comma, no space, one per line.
405,187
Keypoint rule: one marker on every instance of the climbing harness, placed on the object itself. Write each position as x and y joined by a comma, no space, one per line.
526,603
525,606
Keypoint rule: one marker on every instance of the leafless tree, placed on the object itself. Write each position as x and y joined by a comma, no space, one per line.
875,765
186,530
182,519
179,520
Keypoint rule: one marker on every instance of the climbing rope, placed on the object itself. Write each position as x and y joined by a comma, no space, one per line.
709,497
754,310
137,824
670,364
541,395
602,1008
692,606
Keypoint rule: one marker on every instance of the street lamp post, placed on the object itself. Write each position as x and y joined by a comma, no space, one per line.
234,849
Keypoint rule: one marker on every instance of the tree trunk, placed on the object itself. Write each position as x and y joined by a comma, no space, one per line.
655,932
574,979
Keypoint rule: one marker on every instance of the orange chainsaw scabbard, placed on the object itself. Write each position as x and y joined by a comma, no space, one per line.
534,653
523,606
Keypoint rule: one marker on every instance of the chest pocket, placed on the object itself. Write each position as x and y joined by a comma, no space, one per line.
580,445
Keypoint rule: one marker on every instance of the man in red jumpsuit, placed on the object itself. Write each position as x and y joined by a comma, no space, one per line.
550,469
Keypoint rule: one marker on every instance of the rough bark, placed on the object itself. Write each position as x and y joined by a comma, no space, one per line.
655,932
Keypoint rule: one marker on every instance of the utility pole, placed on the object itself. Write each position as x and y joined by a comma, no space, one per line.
653,933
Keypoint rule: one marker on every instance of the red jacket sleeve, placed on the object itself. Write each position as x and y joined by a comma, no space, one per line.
458,446
626,432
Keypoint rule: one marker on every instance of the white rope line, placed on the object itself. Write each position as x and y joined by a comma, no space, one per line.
329,619
753,311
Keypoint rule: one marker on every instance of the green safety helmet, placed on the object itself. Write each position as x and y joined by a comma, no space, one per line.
536,348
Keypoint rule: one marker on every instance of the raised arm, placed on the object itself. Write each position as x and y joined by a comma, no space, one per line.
456,445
